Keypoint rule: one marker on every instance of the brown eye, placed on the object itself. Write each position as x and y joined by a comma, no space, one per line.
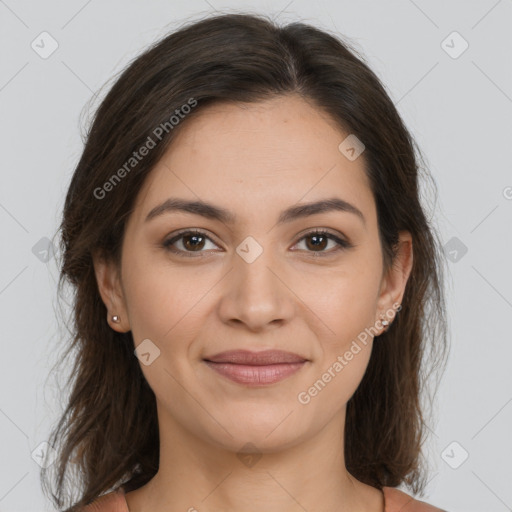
186,243
193,242
317,241
190,242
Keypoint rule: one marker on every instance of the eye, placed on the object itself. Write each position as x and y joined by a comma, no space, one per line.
320,239
191,241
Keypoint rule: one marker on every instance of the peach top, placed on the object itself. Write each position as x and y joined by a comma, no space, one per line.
394,501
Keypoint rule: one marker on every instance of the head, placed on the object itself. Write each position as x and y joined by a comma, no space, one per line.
259,127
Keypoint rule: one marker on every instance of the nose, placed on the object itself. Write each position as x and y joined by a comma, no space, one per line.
256,294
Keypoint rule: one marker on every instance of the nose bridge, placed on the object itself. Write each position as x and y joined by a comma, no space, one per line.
255,293
253,264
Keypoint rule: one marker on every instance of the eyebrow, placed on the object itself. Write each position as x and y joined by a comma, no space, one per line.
213,212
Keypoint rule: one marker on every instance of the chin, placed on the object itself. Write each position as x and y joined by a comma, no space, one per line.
267,433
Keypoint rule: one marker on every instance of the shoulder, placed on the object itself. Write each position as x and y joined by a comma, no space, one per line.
398,501
111,502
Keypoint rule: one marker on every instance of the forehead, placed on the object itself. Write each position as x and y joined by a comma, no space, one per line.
250,157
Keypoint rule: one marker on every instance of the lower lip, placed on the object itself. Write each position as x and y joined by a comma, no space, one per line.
256,375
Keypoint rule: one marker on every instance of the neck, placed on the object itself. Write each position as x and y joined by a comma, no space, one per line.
195,475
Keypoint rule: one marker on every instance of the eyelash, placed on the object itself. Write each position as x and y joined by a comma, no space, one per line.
342,244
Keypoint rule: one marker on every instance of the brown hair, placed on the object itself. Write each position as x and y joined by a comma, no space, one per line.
108,433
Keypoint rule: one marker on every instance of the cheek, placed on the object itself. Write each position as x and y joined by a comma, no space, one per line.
166,304
343,359
157,298
343,375
346,310
344,301
348,307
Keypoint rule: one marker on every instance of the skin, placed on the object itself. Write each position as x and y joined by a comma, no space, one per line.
255,160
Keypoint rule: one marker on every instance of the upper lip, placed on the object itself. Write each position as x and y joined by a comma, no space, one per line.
264,357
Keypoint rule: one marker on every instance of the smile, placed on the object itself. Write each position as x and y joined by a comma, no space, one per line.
256,375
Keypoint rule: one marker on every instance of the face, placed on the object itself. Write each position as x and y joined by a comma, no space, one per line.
253,280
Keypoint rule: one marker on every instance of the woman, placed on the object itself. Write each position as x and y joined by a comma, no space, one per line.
258,289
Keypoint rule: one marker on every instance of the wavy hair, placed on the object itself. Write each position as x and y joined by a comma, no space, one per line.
108,433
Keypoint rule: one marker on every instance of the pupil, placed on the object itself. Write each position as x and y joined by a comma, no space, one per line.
316,237
195,237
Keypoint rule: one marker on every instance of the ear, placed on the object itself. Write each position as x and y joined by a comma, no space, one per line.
111,291
393,283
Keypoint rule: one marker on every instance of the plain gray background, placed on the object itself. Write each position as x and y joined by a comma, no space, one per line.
457,104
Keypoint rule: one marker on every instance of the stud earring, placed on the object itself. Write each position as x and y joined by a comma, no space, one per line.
385,324
115,319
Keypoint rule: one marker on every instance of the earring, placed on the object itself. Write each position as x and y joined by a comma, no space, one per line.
115,319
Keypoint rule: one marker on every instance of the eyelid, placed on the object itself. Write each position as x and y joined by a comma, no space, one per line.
342,241
168,242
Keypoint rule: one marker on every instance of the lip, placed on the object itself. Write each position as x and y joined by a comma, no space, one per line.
261,358
256,368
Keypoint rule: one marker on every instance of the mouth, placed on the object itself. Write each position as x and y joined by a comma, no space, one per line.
256,368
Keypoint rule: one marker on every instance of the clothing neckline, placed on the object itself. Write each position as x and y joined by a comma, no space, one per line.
386,492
